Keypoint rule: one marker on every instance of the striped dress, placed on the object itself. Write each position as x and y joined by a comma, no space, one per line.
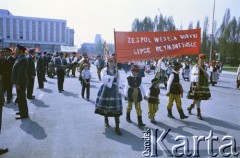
202,92
109,100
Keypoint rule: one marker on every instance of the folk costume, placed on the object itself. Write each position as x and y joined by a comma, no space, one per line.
162,72
109,101
175,91
133,93
199,89
186,71
213,73
153,95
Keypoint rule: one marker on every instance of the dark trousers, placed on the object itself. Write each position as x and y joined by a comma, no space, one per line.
60,79
44,73
40,77
22,101
30,86
8,87
87,87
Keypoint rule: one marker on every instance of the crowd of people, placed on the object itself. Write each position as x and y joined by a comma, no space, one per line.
20,69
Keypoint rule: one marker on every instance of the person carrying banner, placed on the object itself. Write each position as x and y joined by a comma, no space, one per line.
199,89
186,70
162,72
133,93
109,100
175,91
153,95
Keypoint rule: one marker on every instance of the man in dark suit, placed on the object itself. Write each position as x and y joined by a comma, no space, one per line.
20,79
31,73
61,64
8,65
40,71
45,59
2,151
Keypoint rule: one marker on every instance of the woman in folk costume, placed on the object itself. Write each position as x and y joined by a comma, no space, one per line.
109,102
175,91
162,72
133,93
153,95
213,73
238,77
186,70
199,89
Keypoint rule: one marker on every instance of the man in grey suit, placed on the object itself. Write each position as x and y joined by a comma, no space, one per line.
31,73
60,63
20,79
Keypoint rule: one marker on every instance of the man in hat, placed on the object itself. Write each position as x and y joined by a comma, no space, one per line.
40,71
31,73
153,95
175,91
134,92
20,79
61,64
199,89
8,65
2,150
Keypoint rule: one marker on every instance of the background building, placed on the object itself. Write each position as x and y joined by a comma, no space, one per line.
42,33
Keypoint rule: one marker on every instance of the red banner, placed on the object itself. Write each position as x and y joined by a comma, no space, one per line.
135,46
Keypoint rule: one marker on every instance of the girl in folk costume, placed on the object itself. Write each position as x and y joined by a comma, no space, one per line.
238,77
213,73
186,70
153,95
109,102
175,91
133,93
199,89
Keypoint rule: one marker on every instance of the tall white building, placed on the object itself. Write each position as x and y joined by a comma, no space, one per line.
42,33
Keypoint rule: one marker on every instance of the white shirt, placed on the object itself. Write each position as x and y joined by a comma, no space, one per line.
194,74
74,60
141,88
86,74
171,77
108,80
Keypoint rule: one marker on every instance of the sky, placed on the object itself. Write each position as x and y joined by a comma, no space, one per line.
90,17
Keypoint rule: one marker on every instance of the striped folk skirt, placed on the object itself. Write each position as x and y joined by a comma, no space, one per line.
109,102
199,93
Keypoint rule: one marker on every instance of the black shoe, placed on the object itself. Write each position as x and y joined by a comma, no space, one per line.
3,151
20,117
31,97
118,131
17,113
